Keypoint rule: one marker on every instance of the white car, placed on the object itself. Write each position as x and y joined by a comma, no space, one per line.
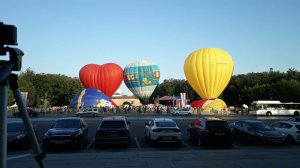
182,111
162,130
290,129
93,112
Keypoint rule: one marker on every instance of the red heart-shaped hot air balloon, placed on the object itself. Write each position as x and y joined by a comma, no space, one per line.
107,77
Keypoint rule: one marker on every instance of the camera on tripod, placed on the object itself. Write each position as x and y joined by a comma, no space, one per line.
8,36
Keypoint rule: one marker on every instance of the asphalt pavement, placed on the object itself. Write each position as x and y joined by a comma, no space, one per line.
212,158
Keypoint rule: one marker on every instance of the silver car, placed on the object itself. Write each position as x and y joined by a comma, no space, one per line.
290,129
182,111
162,130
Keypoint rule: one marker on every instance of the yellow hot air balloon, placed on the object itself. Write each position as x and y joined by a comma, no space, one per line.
208,71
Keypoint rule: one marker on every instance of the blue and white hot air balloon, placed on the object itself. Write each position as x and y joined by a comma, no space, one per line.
90,97
141,78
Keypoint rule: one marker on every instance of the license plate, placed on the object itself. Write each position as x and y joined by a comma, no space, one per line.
167,138
60,142
277,141
112,135
220,133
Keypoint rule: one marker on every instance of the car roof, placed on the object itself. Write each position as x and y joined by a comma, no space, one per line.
69,118
252,121
289,122
17,122
161,119
114,118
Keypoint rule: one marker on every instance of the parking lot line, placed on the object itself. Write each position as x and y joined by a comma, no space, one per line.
91,143
137,142
19,156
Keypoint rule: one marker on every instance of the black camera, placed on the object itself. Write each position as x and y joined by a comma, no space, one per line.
8,34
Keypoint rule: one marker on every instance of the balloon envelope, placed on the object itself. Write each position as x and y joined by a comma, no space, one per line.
208,71
208,104
141,78
90,97
106,78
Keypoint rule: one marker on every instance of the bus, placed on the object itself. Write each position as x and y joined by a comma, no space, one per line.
274,107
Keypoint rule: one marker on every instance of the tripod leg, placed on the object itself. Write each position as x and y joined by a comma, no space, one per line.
22,108
3,123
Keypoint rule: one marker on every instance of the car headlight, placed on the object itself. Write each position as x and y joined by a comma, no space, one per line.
18,137
46,135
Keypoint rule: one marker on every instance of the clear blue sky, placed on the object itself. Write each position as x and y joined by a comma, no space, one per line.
61,36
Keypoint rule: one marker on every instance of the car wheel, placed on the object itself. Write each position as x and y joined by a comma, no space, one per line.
296,113
189,114
269,113
289,140
176,114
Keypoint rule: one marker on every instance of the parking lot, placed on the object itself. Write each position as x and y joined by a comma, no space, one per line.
139,145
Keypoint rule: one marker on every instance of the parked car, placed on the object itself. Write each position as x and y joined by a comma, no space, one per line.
290,129
17,136
257,132
294,119
162,130
93,112
182,111
31,112
113,130
70,131
210,131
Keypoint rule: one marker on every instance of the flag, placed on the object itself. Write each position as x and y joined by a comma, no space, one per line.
183,100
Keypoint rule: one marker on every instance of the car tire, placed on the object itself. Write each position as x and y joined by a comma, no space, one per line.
176,114
269,113
296,113
289,140
189,114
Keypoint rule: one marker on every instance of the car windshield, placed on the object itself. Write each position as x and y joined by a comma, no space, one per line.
261,127
113,124
67,124
165,124
15,127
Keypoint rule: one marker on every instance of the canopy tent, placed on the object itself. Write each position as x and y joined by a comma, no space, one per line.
90,97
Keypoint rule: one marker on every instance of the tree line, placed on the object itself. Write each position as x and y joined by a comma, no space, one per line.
58,90
244,88
45,90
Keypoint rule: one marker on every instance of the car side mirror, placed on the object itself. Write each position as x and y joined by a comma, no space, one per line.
52,126
192,124
146,124
128,122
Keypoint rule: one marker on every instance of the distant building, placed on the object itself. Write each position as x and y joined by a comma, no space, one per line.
120,100
118,93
